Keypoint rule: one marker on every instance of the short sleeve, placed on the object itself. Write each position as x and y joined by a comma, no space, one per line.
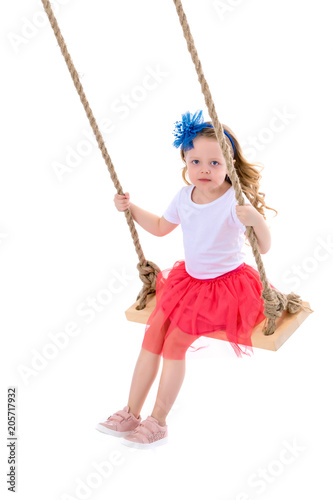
171,214
234,215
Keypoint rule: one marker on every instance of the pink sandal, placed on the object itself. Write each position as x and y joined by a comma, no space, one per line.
120,423
147,435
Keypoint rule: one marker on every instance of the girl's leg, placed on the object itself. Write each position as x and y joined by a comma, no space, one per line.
144,375
173,373
172,377
148,362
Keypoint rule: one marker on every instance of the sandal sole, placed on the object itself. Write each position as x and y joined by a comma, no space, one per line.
144,446
105,430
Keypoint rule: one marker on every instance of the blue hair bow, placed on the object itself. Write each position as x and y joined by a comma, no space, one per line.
187,129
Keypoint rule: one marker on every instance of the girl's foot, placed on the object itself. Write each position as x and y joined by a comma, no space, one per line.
120,423
147,435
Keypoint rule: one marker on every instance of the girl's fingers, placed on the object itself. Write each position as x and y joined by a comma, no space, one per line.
122,202
122,197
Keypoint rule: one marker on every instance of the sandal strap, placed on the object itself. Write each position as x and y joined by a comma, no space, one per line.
146,427
119,416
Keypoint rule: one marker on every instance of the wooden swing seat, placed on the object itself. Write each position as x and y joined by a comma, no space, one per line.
286,324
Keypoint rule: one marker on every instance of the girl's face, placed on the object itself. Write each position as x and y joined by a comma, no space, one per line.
206,165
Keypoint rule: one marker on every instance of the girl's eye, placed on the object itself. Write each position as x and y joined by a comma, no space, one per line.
214,162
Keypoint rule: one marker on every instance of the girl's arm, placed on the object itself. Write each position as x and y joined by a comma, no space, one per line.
263,235
249,216
158,226
150,222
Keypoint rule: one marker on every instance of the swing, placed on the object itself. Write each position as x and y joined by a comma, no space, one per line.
284,313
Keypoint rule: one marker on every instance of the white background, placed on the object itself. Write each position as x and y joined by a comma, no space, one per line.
62,242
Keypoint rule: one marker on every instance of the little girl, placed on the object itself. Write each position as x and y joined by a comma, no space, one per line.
213,292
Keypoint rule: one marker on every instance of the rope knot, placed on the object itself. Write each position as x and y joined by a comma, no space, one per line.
148,272
275,302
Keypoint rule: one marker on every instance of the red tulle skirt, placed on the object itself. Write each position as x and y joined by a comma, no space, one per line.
227,307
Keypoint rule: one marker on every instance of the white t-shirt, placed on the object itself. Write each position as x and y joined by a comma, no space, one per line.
213,236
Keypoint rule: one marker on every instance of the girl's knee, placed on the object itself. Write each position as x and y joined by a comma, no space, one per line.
176,344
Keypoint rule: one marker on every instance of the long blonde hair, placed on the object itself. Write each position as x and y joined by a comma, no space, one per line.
248,175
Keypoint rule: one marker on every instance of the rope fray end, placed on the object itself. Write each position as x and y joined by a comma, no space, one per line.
292,303
295,304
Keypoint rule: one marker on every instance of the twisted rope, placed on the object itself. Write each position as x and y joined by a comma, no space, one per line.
148,271
274,301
